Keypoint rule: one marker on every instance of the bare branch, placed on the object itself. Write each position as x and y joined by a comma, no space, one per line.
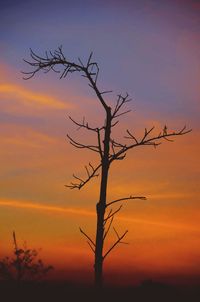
120,102
106,218
114,124
125,112
49,61
52,59
15,241
131,136
91,173
149,141
91,247
108,229
106,91
97,130
98,93
82,146
90,240
119,236
147,132
114,145
112,214
119,240
84,124
81,62
125,199
78,178
116,233
89,59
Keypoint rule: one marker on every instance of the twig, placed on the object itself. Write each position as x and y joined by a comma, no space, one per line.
152,141
124,199
90,240
116,242
111,215
108,229
90,174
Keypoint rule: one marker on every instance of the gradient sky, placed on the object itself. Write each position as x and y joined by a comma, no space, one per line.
150,49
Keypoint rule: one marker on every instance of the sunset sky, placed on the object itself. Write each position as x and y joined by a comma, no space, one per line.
148,48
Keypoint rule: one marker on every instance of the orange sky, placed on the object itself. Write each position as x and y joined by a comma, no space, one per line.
36,164
36,161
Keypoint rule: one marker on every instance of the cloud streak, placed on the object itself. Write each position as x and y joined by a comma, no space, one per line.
72,211
44,208
28,97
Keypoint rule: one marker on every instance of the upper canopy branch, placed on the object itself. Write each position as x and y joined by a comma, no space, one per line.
146,140
121,101
49,62
56,59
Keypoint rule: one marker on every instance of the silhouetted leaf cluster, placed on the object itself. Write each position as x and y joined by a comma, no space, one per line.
24,265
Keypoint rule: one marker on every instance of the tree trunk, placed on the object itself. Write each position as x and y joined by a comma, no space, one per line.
101,205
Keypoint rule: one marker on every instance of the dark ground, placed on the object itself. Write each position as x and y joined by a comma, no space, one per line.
51,291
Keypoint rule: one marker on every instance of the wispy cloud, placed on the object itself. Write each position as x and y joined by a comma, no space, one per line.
45,208
25,137
28,97
77,211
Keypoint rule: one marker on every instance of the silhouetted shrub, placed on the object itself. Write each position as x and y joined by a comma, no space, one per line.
24,265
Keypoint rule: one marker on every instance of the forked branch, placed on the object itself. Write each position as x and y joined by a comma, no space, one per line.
108,229
57,62
49,62
83,146
111,214
117,234
121,101
86,126
119,240
90,242
147,140
91,173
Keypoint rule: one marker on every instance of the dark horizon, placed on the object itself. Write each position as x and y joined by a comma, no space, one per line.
118,278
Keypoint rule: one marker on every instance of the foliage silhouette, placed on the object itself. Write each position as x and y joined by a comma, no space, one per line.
23,266
107,147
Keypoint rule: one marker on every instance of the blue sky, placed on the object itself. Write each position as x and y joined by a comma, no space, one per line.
148,48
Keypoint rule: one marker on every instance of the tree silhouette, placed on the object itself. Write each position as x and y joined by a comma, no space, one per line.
24,266
107,147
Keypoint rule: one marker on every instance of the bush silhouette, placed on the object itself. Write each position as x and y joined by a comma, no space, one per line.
24,265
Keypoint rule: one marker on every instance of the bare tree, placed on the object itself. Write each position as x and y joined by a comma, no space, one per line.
107,147
24,266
